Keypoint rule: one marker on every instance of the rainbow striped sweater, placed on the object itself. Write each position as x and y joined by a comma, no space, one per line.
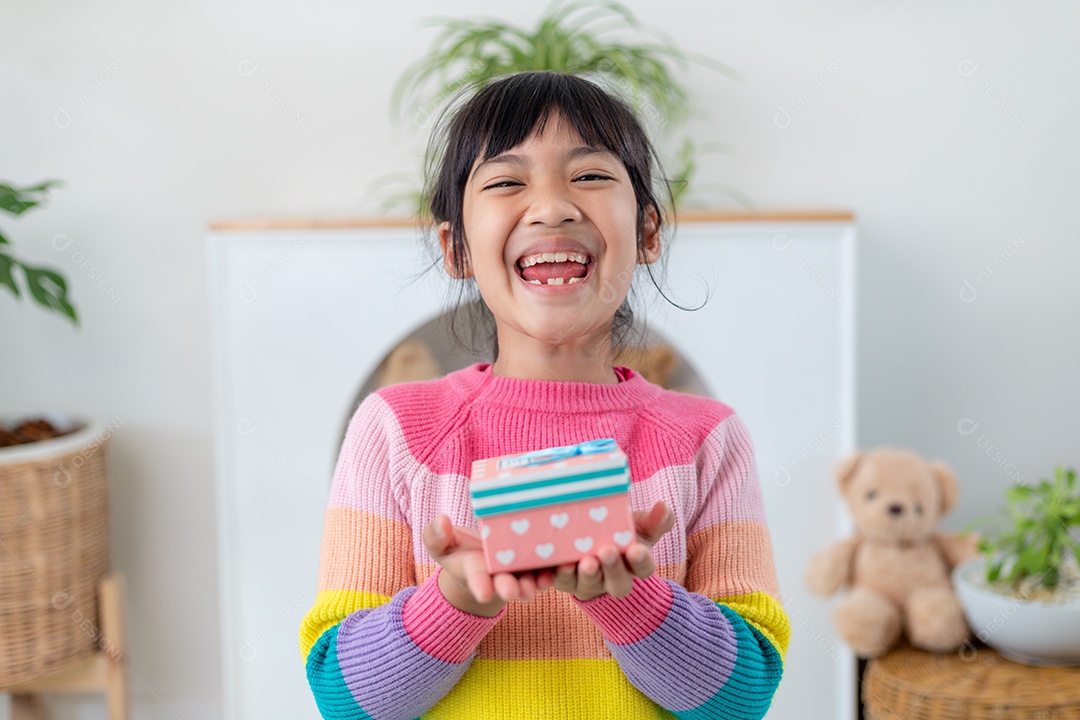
704,637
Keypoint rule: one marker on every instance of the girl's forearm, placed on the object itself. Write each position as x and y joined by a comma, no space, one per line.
694,657
395,660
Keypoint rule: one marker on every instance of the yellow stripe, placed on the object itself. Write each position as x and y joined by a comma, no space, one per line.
331,607
765,613
529,689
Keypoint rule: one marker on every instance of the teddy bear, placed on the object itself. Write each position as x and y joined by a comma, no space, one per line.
897,566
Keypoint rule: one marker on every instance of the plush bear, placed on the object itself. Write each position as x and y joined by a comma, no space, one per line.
897,565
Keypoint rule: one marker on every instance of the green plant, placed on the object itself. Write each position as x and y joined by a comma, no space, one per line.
575,38
46,286
1037,537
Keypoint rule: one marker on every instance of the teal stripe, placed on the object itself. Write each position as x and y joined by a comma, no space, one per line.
332,695
553,500
748,693
548,482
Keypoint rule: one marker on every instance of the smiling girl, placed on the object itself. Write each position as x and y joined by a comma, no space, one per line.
544,199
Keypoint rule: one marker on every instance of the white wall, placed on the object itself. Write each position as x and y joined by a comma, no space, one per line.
948,128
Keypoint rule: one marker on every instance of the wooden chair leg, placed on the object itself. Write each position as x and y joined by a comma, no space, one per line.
28,706
106,670
114,646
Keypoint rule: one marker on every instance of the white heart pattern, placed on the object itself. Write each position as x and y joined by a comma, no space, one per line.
559,520
485,530
505,556
598,513
583,544
520,526
545,551
622,539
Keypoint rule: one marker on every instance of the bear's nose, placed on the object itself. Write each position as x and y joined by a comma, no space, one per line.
896,509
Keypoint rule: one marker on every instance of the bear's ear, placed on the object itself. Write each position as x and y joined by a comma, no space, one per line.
950,489
845,469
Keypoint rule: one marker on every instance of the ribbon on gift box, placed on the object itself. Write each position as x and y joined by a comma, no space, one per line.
540,457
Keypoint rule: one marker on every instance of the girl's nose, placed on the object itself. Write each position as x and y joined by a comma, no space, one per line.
552,206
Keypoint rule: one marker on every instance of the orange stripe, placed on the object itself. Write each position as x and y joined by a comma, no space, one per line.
365,552
732,558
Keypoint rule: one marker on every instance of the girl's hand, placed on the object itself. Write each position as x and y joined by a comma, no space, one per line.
464,580
611,572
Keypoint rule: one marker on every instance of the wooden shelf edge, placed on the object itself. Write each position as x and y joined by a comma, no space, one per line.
85,676
346,223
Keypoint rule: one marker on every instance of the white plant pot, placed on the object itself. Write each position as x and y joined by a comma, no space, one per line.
1030,632
85,430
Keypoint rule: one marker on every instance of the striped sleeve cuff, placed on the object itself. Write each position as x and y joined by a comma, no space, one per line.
626,620
440,629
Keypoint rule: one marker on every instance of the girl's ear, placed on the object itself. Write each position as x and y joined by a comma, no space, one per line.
650,237
446,241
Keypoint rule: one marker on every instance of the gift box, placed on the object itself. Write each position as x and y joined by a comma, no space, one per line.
553,506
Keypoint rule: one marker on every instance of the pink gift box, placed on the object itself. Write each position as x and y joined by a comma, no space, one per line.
552,506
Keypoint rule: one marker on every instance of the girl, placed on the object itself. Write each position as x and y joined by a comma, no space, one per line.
544,199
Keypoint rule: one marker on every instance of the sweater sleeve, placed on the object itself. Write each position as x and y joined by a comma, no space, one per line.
715,648
374,644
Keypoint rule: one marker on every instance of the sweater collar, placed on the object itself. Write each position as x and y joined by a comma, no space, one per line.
633,391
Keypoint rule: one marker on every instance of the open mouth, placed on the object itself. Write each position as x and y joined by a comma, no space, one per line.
554,268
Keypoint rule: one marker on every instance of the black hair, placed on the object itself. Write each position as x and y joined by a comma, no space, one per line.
501,116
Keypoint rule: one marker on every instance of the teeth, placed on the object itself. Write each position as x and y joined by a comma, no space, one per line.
553,257
557,281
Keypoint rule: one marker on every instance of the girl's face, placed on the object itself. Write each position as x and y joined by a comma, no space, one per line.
551,235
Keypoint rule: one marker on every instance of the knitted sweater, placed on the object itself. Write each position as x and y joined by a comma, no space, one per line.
704,637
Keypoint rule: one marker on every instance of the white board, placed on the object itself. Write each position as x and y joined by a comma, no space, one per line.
302,318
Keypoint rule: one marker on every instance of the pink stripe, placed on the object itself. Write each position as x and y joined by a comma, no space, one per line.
686,417
723,487
440,629
629,619
372,442
438,430
727,458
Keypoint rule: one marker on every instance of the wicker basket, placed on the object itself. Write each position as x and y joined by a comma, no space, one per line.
973,684
54,550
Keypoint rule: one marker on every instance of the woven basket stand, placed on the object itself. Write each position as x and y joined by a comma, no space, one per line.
54,551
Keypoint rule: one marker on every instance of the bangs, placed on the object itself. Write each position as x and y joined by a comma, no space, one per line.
537,98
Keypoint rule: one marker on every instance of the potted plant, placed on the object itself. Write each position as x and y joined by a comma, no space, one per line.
585,38
1022,596
53,502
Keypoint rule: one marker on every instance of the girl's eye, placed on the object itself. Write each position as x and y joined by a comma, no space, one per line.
501,184
592,176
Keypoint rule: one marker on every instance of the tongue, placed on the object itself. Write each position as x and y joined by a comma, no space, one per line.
543,271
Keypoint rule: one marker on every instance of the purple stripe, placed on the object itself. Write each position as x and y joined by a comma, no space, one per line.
686,660
387,674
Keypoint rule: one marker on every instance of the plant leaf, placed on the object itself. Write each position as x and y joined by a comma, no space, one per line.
50,290
6,278
1019,492
16,201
